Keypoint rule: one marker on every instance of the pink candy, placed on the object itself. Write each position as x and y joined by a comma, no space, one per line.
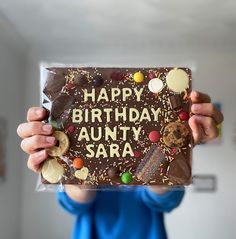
154,136
184,116
137,154
71,129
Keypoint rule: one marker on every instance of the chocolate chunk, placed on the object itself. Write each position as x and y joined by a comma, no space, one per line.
177,134
54,84
113,172
60,104
175,102
179,171
98,80
80,80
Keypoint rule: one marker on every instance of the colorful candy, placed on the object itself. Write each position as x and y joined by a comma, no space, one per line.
184,116
71,129
53,124
154,136
137,154
138,77
126,177
151,75
69,86
78,163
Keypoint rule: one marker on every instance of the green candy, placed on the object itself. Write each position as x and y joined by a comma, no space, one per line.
53,124
126,177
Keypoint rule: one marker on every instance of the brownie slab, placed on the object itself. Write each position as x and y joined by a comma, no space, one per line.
124,125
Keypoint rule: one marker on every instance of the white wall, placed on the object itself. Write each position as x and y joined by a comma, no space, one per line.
213,215
12,68
41,217
210,216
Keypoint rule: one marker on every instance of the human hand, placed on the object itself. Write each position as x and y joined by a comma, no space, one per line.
36,138
203,124
205,118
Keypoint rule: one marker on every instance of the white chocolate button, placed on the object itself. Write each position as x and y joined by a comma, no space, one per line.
177,80
155,85
52,171
82,173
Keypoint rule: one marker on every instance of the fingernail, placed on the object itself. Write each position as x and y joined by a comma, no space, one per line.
47,128
39,154
38,112
196,107
50,140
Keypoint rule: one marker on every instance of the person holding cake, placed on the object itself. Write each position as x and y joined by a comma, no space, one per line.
136,213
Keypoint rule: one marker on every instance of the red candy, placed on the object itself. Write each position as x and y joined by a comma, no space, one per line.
173,151
137,154
184,116
116,75
151,75
71,129
154,136
69,86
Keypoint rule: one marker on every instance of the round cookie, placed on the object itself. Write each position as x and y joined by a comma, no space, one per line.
176,134
52,171
63,144
177,80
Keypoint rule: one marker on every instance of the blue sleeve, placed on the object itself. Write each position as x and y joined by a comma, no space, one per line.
72,206
163,202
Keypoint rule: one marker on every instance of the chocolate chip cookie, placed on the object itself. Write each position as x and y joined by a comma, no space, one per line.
176,134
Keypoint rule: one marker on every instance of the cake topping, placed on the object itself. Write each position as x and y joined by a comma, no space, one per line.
177,80
155,85
98,81
138,77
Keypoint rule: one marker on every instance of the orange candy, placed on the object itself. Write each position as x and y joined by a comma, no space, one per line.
78,163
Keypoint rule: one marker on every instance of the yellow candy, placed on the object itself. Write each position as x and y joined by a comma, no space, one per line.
138,77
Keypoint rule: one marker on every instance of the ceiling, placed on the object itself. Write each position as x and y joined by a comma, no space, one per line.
64,24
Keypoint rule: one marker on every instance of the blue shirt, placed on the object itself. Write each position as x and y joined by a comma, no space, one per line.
135,214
